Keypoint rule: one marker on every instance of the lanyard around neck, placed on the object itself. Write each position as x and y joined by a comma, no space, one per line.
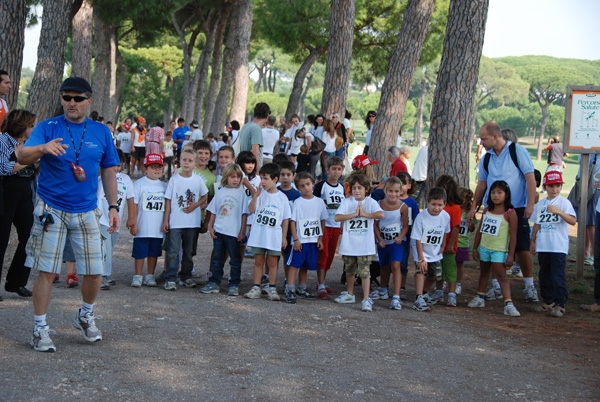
73,141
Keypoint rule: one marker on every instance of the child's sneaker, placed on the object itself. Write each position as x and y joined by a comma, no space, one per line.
511,310
367,304
396,304
420,304
451,301
290,296
253,293
458,289
233,291
210,287
72,281
303,293
493,294
544,308
557,311
426,297
403,293
374,294
87,325
382,294
111,281
322,294
195,274
248,254
516,270
437,297
477,302
531,294
445,286
40,340
105,283
345,298
150,281
170,285
188,283
272,294
136,282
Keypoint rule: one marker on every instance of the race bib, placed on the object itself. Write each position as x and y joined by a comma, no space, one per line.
154,202
309,228
357,226
389,233
267,216
432,235
491,225
334,199
547,217
464,228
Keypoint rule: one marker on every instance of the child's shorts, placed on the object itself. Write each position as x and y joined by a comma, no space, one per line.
391,252
305,258
263,251
486,255
434,271
358,265
462,254
449,269
144,247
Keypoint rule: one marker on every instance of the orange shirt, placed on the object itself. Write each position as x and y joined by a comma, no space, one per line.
455,212
3,110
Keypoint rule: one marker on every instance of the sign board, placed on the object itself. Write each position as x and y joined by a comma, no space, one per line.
582,120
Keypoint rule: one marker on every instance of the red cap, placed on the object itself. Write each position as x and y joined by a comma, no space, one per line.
362,161
126,126
152,159
553,177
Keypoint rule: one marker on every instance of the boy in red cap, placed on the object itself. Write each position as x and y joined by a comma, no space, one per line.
550,240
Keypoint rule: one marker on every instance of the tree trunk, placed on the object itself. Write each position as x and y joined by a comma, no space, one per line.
121,80
186,63
111,103
398,80
81,65
240,66
219,119
174,86
261,73
302,110
101,80
455,90
272,77
339,57
545,117
215,72
47,79
419,123
202,68
12,38
296,94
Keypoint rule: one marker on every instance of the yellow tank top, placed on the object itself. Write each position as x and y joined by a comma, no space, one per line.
495,231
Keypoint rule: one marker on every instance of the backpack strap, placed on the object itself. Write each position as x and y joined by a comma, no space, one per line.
512,149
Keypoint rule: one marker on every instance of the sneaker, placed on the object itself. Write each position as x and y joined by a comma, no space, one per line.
544,308
111,281
40,340
383,293
516,270
264,288
272,294
437,297
329,290
87,325
188,283
233,291
427,298
105,283
322,294
248,254
403,294
150,281
458,289
367,304
477,302
511,310
420,304
451,301
195,274
493,294
303,293
531,294
396,304
374,295
253,293
72,281
445,286
136,282
557,311
345,298
209,288
290,296
170,285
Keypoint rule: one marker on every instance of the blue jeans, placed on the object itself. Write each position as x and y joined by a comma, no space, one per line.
553,284
230,244
184,239
404,263
597,260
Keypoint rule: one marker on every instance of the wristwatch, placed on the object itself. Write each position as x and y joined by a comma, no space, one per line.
113,207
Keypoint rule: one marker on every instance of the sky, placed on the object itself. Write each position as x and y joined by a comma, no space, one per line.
558,28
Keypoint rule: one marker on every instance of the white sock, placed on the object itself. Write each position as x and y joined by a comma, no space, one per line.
528,281
39,321
495,284
321,286
452,294
85,309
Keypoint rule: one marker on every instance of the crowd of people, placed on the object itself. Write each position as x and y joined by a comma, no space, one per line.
271,195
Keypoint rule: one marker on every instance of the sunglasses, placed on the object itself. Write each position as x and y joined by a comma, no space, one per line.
78,99
372,115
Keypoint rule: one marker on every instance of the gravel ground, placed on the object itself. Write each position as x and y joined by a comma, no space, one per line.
187,346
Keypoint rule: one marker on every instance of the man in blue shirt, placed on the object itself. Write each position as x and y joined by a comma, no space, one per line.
521,181
71,148
179,135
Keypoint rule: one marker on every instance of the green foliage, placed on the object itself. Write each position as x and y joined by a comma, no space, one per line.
500,81
507,117
277,102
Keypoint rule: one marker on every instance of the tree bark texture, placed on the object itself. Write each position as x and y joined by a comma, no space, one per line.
101,78
339,57
12,40
455,91
121,80
294,100
187,61
302,108
81,66
398,80
48,75
201,73
240,63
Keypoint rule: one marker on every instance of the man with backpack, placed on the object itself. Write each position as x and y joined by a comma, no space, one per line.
509,162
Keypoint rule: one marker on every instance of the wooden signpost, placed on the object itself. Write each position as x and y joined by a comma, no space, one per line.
582,136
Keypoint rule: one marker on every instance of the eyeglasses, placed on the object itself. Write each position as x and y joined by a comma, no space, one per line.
78,99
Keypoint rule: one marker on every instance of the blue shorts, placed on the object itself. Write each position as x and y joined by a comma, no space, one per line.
305,258
486,255
144,247
391,252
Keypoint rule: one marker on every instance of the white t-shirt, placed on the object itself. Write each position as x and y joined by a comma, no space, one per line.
329,142
183,191
234,136
149,196
125,142
317,132
124,192
430,230
368,139
196,135
270,138
255,182
228,205
214,147
420,167
391,226
308,214
553,236
333,197
347,124
296,143
139,140
358,236
271,210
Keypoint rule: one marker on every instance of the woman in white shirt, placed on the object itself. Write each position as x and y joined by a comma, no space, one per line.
369,122
317,129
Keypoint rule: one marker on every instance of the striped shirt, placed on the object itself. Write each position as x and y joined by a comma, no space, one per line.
7,147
